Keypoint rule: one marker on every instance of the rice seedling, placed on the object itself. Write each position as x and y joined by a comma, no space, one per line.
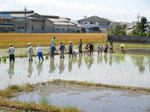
4,59
44,101
46,57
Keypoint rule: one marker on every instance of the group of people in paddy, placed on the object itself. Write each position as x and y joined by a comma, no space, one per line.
89,49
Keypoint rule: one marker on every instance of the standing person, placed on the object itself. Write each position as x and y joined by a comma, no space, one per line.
70,49
52,50
30,52
80,47
101,48
62,50
111,47
53,41
11,53
106,48
98,49
40,52
86,49
91,47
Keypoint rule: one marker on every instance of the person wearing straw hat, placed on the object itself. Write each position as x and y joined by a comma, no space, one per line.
30,52
11,53
122,48
70,48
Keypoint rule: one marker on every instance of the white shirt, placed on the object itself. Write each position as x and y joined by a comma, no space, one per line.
39,49
11,50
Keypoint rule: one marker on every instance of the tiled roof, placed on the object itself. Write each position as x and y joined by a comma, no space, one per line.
94,18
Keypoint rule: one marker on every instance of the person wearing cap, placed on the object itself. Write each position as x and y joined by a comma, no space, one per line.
53,41
101,48
30,52
11,53
70,48
40,52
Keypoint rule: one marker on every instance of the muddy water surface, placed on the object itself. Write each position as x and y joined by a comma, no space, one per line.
119,69
89,99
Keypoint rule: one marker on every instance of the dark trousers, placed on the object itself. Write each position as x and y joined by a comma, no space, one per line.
12,58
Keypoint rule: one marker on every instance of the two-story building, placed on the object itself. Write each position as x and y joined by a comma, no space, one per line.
96,24
31,22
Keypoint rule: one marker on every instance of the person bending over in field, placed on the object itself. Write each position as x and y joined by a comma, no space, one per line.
70,49
11,53
30,52
40,52
52,50
62,50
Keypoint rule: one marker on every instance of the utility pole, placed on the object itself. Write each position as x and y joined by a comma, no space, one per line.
25,20
138,17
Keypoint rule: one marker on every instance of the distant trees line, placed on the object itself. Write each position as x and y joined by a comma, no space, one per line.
138,30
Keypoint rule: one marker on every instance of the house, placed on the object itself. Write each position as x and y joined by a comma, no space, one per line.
96,24
31,22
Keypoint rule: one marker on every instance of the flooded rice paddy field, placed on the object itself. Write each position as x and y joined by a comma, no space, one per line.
89,99
118,69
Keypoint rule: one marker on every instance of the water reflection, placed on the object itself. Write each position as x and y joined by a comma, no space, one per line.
39,67
119,58
110,59
11,70
139,62
136,69
70,60
149,63
90,61
61,66
99,59
105,58
30,69
80,61
52,66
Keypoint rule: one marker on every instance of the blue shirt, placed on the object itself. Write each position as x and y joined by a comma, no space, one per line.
62,47
53,49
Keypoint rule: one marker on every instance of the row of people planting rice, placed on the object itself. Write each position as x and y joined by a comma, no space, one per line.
61,50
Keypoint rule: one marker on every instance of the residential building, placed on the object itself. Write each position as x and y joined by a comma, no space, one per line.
96,24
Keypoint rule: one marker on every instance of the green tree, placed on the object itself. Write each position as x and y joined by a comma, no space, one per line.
119,30
140,28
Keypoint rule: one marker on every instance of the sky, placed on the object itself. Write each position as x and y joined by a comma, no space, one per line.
116,10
